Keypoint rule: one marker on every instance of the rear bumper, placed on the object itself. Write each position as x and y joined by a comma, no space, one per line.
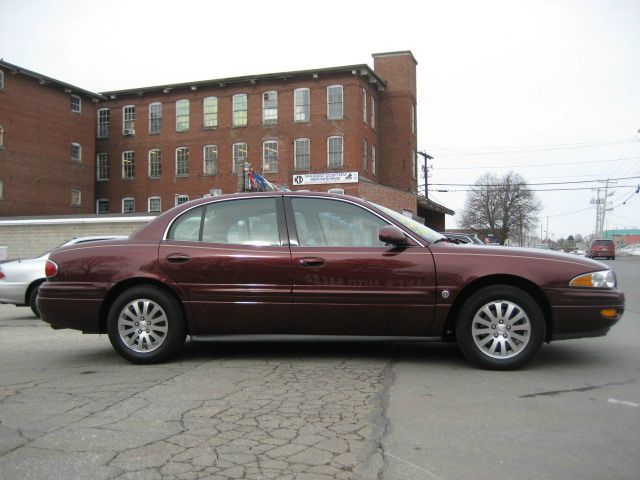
13,292
63,306
576,312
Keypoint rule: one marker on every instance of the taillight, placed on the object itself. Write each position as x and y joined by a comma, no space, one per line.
50,269
2,275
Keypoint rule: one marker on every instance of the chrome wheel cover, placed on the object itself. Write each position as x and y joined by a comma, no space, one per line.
501,329
142,325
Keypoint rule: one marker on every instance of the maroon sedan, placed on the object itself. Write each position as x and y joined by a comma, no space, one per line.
311,265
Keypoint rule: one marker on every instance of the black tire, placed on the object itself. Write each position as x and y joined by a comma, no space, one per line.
515,331
33,300
146,325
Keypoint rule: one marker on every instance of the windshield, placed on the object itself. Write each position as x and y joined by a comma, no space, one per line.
422,231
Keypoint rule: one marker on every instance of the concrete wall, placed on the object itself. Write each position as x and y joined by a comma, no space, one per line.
26,238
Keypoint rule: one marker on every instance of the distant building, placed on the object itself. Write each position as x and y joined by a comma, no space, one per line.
349,129
623,237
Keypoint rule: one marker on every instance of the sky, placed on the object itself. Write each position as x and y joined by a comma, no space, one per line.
548,89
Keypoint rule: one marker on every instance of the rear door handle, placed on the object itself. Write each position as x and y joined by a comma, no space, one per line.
312,261
178,258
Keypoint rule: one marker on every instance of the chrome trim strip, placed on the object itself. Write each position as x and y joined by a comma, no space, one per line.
309,338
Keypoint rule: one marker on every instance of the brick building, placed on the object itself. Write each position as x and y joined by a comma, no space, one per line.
348,129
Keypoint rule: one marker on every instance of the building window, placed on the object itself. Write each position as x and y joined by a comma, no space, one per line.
240,110
154,204
128,205
104,117
302,152
301,105
364,105
1,187
210,160
128,120
182,115
76,153
339,191
373,159
1,80
180,199
102,206
76,104
270,107
102,167
414,167
128,164
182,162
270,156
334,102
211,112
239,155
334,152
413,119
155,163
365,154
373,112
1,136
76,197
155,117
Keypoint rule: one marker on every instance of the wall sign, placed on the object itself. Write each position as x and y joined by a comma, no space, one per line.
320,178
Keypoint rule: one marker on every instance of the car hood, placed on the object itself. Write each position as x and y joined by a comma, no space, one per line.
589,264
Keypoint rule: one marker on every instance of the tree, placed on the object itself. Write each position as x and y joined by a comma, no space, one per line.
504,205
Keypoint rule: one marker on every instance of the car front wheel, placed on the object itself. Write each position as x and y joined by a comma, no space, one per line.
146,325
500,328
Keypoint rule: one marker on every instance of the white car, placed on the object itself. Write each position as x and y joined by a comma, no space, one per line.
20,280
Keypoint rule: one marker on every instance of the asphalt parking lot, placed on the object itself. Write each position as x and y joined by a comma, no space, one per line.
71,408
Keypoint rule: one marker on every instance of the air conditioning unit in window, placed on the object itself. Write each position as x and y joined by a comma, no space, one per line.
128,131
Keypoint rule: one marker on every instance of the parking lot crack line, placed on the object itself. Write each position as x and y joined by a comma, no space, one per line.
579,389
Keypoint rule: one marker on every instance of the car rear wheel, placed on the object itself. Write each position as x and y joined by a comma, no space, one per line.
500,328
146,325
33,300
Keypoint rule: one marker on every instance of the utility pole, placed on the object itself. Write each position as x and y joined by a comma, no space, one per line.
425,170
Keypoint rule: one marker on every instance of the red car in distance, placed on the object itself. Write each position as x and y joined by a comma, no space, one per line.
319,266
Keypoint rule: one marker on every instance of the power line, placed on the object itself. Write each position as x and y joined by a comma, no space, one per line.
448,190
525,184
534,148
530,165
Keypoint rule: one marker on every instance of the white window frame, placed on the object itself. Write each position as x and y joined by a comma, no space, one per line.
155,162
1,136
365,154
154,198
98,201
373,113
373,159
331,163
76,197
272,166
210,165
235,150
132,165
210,118
182,161
129,199
78,101
365,99
79,149
102,167
301,111
414,164
103,120
296,165
240,117
340,115
1,80
270,111
183,111
155,121
129,119
180,199
413,119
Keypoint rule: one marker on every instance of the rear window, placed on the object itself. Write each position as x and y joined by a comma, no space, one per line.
604,243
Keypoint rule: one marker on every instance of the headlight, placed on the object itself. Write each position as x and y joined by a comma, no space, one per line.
603,279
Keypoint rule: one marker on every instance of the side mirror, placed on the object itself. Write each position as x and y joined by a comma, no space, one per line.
392,235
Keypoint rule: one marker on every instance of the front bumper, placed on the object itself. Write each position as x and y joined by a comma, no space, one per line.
577,312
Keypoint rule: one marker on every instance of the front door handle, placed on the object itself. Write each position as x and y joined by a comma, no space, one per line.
178,258
312,261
